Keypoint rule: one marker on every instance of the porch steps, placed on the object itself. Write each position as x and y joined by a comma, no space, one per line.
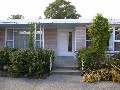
66,67
66,72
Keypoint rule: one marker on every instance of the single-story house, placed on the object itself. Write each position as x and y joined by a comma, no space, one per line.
63,36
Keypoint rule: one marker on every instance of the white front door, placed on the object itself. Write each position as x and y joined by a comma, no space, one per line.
64,43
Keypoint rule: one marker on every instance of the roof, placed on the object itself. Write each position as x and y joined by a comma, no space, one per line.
82,21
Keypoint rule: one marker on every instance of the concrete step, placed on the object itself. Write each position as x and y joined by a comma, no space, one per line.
65,67
65,72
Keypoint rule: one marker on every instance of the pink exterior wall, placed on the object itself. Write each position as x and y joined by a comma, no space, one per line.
80,37
2,37
50,39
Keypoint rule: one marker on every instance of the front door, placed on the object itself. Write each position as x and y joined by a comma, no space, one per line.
65,42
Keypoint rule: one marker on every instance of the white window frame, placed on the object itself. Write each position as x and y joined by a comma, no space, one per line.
7,36
41,40
86,37
113,29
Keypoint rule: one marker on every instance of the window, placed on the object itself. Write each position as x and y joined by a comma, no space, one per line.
9,38
110,43
70,42
117,39
18,38
10,34
88,41
117,46
21,38
39,38
114,39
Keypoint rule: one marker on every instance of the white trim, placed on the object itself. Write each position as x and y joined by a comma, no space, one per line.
85,36
25,21
13,38
35,37
9,40
76,21
113,39
24,32
43,36
75,41
40,35
5,36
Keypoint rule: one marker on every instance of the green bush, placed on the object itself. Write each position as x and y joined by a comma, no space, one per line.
90,58
99,34
30,62
116,56
4,56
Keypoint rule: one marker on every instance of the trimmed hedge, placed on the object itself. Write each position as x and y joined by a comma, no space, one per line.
4,56
27,62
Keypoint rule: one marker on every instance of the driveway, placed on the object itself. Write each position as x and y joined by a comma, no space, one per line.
55,82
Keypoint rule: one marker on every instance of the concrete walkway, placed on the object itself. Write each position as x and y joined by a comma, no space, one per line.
65,61
55,82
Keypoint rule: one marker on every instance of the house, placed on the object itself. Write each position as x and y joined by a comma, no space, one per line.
63,36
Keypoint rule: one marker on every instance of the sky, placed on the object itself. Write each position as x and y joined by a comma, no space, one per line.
32,9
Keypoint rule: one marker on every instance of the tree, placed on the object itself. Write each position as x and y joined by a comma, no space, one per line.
17,16
61,9
98,31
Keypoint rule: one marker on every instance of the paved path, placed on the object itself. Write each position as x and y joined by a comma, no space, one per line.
55,82
65,61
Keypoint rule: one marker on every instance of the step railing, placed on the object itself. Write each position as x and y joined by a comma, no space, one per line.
50,64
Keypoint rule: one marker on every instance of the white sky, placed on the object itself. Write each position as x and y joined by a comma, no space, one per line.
32,9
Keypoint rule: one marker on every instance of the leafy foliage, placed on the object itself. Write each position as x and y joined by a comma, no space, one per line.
90,58
110,73
30,62
59,9
116,56
4,56
96,67
99,34
17,16
31,35
106,74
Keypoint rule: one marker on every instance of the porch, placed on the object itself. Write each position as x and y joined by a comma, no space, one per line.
61,37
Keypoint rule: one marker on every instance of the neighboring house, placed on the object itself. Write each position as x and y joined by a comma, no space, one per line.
64,36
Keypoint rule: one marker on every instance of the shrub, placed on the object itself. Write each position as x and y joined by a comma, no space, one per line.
116,56
111,72
4,56
30,62
105,74
90,58
99,34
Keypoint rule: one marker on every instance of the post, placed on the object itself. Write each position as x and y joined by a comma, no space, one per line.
50,63
40,35
43,37
35,37
83,68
